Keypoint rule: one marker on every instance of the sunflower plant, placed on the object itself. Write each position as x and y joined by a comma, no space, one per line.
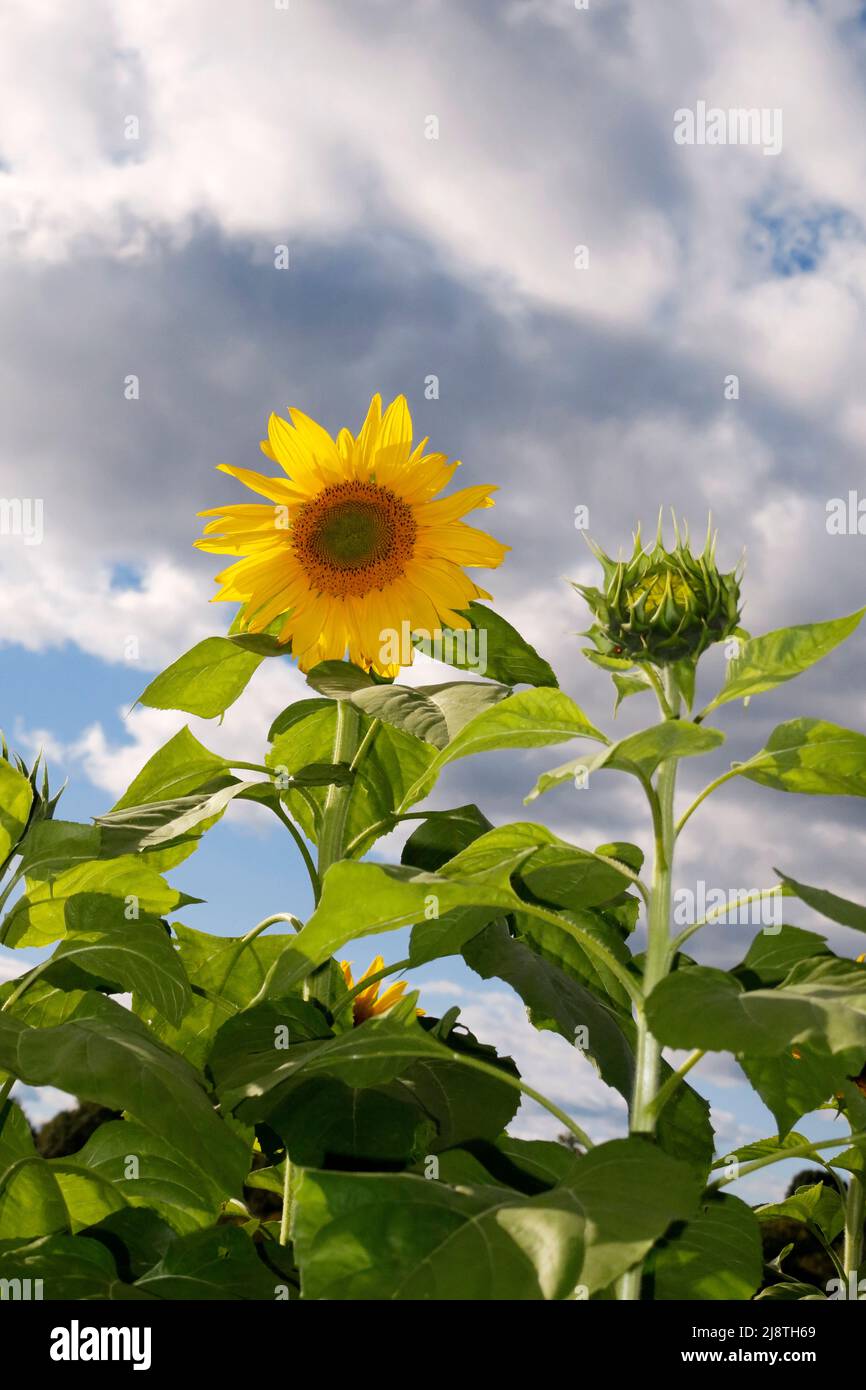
287,1121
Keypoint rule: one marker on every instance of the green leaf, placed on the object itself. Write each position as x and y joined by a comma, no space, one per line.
16,798
31,1203
715,1255
639,754
39,917
218,1264
433,1105
792,1086
556,1001
179,768
326,1122
159,1176
205,680
530,719
811,757
397,1236
87,1197
71,1268
296,714
225,974
572,877
434,713
337,680
136,955
772,956
499,652
626,686
768,661
822,1000
107,1055
50,846
442,834
828,904
253,1072
480,876
819,1207
630,1193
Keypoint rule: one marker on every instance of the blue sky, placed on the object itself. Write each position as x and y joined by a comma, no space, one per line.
306,127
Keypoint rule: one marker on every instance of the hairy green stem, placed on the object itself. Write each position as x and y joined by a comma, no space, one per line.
855,1213
336,808
643,1113
288,1185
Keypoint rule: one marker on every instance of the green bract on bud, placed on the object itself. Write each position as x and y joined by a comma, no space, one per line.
662,605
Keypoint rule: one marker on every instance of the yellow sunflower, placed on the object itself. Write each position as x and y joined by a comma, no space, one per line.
354,543
369,1002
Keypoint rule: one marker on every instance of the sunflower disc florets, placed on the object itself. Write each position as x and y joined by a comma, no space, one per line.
662,605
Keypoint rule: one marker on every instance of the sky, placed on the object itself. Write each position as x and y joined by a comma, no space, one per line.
492,195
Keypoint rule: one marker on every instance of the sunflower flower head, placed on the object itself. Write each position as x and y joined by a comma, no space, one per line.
370,1002
662,605
354,545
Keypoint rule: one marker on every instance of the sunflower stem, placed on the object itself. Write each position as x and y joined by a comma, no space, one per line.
336,808
644,1114
288,1185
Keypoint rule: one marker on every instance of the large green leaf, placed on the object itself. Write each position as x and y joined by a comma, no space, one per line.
817,1206
179,768
217,1264
225,974
50,846
136,955
31,1203
798,1079
160,1176
478,877
640,753
812,757
397,1236
765,662
530,719
253,1074
107,1055
72,1268
16,798
630,1193
39,917
556,1001
822,1000
435,713
716,1254
772,955
326,1122
205,680
433,1105
507,658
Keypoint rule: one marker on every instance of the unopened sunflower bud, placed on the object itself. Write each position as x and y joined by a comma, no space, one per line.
662,605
